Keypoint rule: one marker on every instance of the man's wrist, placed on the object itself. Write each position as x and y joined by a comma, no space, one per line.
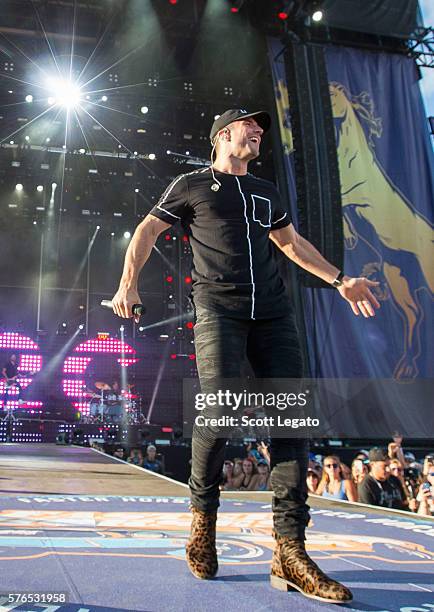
338,281
127,284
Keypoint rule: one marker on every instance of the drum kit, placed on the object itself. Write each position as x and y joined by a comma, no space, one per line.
112,405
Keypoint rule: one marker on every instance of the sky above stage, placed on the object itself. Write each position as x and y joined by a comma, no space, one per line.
427,83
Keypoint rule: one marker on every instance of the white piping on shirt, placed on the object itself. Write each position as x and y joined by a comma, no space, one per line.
274,222
250,248
254,210
169,189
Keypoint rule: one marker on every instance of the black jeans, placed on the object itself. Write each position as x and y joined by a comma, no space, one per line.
272,348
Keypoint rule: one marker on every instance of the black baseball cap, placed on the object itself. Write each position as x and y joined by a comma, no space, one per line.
236,114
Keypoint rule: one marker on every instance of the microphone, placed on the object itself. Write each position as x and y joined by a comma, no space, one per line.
137,309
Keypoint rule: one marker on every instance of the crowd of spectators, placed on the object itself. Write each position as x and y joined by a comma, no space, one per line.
148,460
390,477
380,477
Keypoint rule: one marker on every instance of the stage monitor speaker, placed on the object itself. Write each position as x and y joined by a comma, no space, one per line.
318,187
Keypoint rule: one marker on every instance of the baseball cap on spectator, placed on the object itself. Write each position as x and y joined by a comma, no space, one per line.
312,471
377,454
151,447
409,457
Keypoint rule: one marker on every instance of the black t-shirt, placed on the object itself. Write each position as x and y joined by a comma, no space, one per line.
11,369
234,269
388,493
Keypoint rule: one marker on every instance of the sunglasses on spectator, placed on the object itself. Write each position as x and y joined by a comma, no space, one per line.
331,465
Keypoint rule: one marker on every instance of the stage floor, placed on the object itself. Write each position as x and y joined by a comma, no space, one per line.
112,538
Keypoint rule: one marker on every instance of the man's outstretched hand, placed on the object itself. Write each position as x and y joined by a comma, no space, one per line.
357,292
123,301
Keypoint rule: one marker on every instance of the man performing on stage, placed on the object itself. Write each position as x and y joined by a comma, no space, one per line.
10,375
242,310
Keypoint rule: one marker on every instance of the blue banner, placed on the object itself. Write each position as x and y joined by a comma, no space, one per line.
386,167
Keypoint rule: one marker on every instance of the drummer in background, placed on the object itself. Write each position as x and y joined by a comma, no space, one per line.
115,389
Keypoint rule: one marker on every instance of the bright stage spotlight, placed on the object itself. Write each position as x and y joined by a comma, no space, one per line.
29,98
127,235
151,155
40,188
317,15
19,187
65,93
104,99
144,110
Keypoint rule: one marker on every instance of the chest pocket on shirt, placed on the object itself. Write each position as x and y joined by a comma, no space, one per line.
261,210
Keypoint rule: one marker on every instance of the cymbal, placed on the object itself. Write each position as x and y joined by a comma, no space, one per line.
102,386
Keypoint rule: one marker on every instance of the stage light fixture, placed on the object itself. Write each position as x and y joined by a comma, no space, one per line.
152,156
65,92
112,234
40,188
317,15
29,98
136,190
104,99
62,329
127,235
283,15
82,151
18,187
47,139
27,138
51,101
144,110
11,142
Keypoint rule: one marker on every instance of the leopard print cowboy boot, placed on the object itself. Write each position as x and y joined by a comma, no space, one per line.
292,568
201,550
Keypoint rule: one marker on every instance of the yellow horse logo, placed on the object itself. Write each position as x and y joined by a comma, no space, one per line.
375,212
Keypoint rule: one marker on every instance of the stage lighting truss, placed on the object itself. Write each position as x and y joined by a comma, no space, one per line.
421,47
